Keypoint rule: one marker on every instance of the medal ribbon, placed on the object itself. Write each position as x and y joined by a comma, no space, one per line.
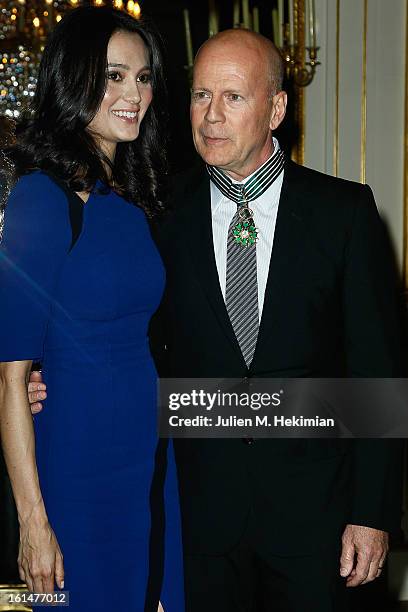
245,232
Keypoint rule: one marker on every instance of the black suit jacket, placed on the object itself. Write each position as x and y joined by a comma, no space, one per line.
329,311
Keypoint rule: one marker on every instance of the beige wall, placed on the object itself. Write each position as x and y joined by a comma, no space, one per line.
355,125
354,134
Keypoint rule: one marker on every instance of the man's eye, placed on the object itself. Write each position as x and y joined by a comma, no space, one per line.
114,76
145,78
234,97
200,95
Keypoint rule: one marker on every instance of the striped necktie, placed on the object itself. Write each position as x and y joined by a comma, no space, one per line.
241,294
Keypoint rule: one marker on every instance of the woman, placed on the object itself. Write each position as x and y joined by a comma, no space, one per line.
80,278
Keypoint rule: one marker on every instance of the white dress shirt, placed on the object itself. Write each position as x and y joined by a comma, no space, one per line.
265,210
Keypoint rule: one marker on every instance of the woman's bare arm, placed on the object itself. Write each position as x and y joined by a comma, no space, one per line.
40,559
17,435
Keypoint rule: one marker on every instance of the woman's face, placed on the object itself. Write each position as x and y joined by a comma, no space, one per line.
128,92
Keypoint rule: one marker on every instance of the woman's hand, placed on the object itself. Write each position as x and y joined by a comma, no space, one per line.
40,560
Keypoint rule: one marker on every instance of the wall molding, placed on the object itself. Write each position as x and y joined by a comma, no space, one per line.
405,193
363,126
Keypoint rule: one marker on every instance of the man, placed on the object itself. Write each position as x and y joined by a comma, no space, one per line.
274,524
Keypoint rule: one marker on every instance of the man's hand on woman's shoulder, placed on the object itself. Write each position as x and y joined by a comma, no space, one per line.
37,391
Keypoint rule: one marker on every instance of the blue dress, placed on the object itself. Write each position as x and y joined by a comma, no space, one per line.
84,314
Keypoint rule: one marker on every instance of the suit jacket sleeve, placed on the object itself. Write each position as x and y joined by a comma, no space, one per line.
158,327
373,350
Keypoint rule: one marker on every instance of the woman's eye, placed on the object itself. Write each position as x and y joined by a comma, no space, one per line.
114,76
145,78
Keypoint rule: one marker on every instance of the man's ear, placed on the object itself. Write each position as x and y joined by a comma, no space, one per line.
279,104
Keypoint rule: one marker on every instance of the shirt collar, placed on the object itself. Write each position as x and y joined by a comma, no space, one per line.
276,147
217,197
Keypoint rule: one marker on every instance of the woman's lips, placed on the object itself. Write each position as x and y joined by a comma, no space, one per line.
127,119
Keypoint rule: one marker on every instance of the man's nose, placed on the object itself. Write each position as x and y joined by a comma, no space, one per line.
214,112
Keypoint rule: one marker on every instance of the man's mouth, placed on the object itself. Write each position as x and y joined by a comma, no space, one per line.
214,140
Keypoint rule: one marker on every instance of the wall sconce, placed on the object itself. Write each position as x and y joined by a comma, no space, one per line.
293,32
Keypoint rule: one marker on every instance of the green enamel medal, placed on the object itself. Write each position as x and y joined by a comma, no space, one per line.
245,233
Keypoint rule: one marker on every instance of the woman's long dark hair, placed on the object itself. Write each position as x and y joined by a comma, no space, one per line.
70,88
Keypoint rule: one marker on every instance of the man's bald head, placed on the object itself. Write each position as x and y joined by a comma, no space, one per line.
256,47
237,101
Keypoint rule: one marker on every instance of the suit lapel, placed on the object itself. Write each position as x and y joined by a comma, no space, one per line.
288,244
201,246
